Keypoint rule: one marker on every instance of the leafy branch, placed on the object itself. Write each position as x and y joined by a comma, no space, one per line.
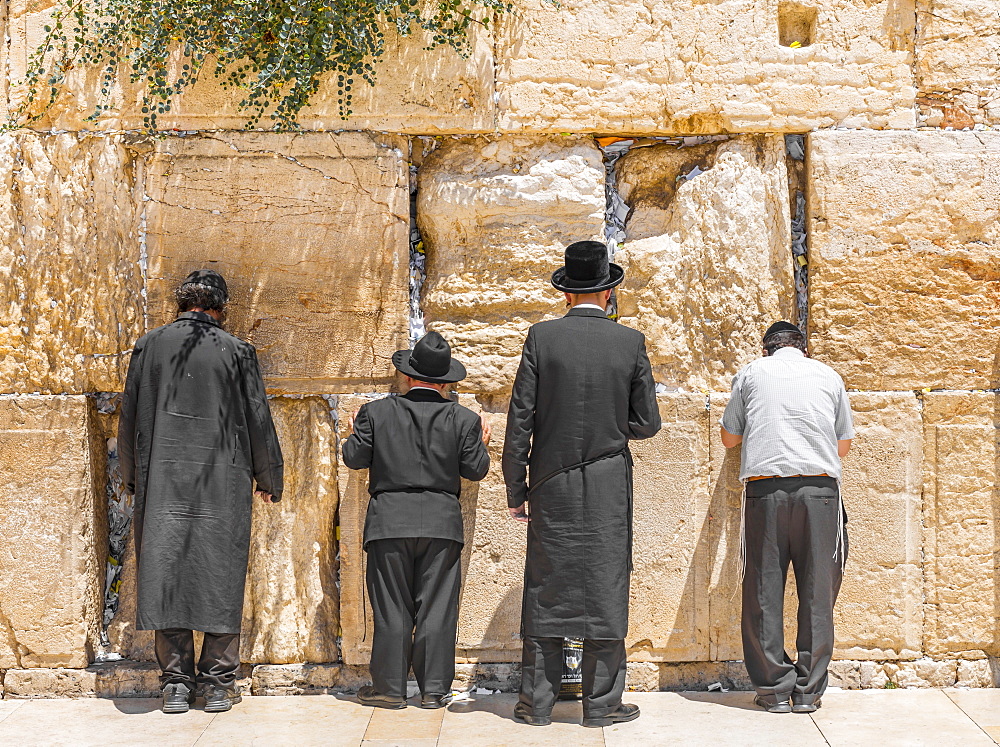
277,52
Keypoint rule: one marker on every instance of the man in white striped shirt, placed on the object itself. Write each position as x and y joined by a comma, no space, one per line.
793,417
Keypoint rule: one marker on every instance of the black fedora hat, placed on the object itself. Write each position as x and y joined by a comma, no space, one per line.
587,269
430,361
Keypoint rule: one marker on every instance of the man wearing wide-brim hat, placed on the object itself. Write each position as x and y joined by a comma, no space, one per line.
417,447
583,390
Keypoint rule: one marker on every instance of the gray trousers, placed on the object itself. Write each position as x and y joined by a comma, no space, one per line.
791,520
413,585
218,664
603,675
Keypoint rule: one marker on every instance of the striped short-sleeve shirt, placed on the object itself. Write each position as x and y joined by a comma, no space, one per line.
791,411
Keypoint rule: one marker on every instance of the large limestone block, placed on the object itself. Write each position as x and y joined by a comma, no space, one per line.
496,215
311,232
70,301
958,60
668,612
441,91
960,522
879,613
291,608
707,258
904,233
54,534
694,67
492,560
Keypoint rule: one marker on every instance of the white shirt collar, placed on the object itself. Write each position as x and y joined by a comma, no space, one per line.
786,352
590,306
423,386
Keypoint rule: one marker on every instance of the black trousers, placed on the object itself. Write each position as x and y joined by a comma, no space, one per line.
413,585
791,520
218,664
603,675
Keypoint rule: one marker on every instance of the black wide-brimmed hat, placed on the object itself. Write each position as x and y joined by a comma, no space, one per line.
430,361
781,326
587,269
210,278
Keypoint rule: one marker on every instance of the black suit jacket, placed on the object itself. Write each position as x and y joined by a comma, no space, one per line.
417,447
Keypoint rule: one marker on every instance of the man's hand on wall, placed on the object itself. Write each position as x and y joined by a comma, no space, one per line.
520,513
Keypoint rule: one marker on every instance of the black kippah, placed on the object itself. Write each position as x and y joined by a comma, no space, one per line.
781,327
210,278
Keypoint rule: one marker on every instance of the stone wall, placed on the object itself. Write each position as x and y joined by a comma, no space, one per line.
495,162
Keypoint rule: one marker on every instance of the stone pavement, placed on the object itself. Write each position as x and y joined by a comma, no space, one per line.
896,717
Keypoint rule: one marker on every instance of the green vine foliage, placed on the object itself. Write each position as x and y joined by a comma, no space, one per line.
276,52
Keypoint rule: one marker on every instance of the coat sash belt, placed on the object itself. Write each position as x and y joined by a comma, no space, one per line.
578,465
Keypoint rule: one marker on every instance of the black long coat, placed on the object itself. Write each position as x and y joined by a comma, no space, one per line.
195,431
583,390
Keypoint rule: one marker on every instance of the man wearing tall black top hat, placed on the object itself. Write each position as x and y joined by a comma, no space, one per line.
793,417
195,434
417,447
583,390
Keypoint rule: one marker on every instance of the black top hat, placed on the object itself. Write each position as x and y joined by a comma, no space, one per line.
781,327
430,361
587,269
210,278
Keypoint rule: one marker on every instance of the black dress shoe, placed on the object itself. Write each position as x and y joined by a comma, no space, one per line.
781,706
219,699
624,712
177,697
806,707
522,712
369,696
434,701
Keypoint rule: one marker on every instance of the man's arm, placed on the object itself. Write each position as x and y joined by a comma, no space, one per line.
843,447
734,419
844,423
475,460
359,447
265,451
729,440
520,425
126,422
643,412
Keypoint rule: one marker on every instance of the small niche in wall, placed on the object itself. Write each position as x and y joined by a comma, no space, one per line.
796,24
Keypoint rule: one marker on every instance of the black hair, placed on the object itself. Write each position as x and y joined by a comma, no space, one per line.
198,296
786,339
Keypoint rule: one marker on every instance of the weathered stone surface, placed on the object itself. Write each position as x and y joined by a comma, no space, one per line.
845,674
668,613
904,233
291,608
124,679
505,677
879,612
440,92
708,260
978,673
958,56
652,676
70,303
694,67
960,523
922,673
311,232
495,215
129,643
307,679
53,527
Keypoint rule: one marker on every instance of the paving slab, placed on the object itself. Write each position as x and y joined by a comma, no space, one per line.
7,707
405,725
694,717
982,706
309,719
896,717
488,721
98,722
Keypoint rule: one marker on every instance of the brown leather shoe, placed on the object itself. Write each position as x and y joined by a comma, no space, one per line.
624,712
522,712
369,696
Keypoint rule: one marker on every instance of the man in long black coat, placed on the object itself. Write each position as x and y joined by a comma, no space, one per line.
583,390
417,447
195,433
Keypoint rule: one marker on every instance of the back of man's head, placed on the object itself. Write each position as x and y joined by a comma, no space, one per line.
783,335
202,289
